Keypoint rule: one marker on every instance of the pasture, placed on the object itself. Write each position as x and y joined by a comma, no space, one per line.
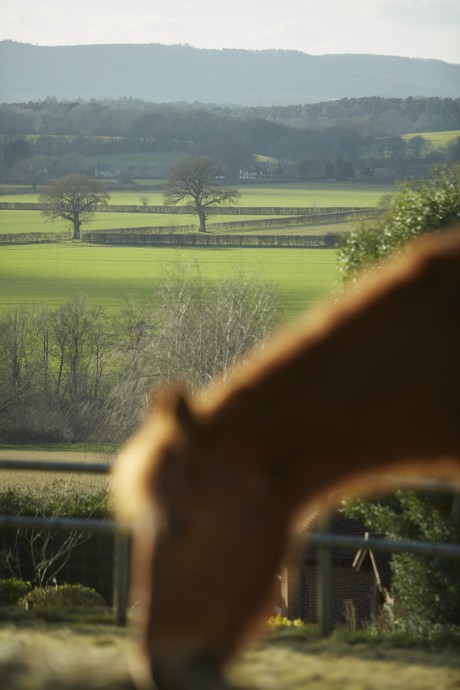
437,139
317,195
62,656
34,221
111,276
309,195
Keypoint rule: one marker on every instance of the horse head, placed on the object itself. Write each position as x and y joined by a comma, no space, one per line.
207,540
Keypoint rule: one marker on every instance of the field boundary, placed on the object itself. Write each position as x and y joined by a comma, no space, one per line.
34,237
211,210
326,241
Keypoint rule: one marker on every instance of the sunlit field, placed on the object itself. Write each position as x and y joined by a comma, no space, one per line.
436,139
110,276
33,221
293,194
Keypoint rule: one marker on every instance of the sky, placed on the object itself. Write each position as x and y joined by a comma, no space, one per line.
411,28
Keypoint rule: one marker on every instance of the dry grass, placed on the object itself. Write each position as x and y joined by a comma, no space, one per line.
39,656
56,656
295,664
35,483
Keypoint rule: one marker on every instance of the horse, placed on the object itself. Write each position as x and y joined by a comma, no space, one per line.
211,487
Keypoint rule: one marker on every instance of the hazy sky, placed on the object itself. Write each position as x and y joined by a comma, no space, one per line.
414,28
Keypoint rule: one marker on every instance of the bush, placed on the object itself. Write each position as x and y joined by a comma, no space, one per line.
56,499
41,554
420,207
62,596
11,590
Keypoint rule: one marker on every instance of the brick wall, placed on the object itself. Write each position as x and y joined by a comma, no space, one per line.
299,585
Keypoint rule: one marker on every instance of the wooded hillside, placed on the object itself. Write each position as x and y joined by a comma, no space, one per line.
164,73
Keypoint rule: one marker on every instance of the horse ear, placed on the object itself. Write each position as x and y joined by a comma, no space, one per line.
173,402
182,412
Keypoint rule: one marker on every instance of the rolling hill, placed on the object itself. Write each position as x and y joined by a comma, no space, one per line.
173,73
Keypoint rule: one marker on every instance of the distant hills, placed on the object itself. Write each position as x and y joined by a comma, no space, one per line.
178,73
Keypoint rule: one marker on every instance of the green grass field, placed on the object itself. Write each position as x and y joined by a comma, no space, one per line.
436,139
305,195
312,195
109,276
33,221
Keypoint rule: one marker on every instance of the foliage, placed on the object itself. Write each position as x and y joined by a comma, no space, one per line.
426,590
67,137
197,180
12,589
399,635
16,151
62,596
280,622
56,499
421,206
43,553
74,198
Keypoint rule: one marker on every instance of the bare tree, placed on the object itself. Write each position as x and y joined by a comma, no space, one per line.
21,353
74,198
196,180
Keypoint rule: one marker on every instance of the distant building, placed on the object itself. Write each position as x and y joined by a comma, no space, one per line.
107,172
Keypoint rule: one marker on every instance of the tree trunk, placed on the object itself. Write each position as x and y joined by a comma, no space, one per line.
202,217
76,228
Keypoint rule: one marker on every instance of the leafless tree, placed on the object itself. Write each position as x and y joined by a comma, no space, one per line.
193,333
196,180
74,198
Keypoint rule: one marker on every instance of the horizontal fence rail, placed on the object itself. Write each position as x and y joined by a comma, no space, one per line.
49,466
55,524
419,548
211,210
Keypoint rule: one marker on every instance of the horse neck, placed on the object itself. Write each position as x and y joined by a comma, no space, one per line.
367,389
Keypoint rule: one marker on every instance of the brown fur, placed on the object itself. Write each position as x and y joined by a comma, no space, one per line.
211,488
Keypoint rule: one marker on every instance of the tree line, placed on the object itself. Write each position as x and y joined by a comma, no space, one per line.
321,140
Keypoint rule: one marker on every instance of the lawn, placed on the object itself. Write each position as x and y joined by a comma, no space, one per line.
110,276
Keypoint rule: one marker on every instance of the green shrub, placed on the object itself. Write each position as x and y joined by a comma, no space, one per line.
55,500
11,590
62,596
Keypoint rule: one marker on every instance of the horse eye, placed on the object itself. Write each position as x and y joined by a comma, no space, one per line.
176,526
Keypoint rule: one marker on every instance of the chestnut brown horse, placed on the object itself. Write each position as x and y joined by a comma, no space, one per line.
211,487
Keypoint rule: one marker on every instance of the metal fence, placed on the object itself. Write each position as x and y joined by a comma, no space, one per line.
108,526
322,539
